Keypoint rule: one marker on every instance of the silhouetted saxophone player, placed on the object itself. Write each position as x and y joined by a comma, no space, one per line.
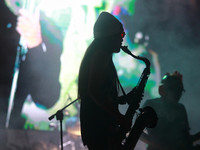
99,86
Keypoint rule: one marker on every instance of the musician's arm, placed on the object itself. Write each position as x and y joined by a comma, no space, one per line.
191,138
128,97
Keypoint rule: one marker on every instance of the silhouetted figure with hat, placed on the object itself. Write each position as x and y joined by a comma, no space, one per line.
98,86
172,129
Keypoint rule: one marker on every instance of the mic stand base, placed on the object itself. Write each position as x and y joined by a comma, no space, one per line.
59,116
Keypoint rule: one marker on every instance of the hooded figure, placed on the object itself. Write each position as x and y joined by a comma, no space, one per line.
98,86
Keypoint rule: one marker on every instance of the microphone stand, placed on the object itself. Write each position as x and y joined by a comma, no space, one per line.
59,116
21,55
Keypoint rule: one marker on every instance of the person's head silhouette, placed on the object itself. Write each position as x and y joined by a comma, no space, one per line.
108,32
171,87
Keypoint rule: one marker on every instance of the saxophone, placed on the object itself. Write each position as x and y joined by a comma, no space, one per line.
147,116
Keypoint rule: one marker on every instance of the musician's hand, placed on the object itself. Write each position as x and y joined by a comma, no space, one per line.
130,97
28,26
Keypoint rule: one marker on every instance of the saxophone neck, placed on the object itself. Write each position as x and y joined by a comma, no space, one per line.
144,59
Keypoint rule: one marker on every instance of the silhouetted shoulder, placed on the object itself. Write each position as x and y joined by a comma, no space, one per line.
181,106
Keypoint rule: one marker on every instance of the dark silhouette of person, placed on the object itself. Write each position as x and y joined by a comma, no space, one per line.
172,129
99,87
